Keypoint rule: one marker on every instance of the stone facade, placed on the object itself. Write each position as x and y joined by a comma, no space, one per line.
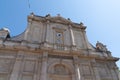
119,74
54,48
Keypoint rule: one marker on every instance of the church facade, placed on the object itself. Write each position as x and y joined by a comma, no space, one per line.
54,48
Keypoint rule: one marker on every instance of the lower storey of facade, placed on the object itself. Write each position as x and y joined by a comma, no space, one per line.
25,65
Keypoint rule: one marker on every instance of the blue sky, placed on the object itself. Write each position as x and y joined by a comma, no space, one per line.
102,17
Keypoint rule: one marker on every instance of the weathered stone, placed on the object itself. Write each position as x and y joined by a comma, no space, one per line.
54,48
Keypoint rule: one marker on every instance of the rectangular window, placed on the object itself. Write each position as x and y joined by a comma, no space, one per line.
59,40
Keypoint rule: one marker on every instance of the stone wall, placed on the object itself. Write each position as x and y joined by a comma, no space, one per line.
54,48
25,65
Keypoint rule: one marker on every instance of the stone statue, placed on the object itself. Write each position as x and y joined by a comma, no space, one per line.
101,47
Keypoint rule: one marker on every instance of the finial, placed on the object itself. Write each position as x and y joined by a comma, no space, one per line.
98,42
32,14
69,19
48,15
58,15
81,24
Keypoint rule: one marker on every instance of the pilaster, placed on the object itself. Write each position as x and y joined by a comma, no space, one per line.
72,38
44,66
47,32
77,70
36,70
17,65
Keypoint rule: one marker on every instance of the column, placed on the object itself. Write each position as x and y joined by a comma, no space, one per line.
44,67
17,66
77,70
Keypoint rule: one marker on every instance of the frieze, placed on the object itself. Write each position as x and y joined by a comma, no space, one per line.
61,57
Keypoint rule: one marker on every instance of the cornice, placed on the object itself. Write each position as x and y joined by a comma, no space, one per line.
56,19
23,46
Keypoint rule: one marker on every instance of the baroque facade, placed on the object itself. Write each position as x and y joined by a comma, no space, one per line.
54,48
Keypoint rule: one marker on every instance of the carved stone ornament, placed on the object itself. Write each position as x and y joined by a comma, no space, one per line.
101,47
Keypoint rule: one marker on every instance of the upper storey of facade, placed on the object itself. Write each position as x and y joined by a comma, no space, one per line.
54,34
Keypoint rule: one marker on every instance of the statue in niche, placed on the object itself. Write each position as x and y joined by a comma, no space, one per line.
101,47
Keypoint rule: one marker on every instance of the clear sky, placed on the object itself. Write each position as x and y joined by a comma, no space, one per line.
102,17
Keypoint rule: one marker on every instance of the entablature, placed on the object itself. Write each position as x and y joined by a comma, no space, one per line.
23,46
